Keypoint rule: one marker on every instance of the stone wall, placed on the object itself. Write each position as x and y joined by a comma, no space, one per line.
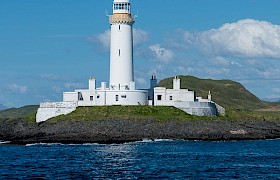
198,108
49,110
221,110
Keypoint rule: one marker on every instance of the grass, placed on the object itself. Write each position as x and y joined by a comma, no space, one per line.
159,113
226,93
27,113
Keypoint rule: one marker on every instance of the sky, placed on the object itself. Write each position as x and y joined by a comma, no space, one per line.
51,46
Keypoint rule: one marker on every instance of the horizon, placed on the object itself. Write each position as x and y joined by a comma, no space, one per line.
49,47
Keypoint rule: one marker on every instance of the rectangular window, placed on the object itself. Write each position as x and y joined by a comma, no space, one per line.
98,96
91,98
159,97
123,96
170,98
119,52
117,97
80,96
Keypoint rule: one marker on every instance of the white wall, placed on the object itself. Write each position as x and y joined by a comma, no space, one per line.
49,110
172,95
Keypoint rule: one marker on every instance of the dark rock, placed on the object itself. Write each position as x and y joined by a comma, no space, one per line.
119,131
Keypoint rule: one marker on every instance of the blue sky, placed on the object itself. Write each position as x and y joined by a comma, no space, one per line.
48,46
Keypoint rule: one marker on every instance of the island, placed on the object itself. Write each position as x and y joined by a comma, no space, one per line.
246,118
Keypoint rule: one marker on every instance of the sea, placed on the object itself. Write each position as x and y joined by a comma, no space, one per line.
147,159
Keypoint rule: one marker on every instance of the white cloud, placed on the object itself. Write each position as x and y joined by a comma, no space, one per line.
276,90
17,88
221,61
140,80
53,77
74,85
102,39
139,36
161,54
246,38
57,89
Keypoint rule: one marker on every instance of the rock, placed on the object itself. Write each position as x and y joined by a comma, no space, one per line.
119,131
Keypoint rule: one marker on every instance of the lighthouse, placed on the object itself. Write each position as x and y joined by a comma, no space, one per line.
121,53
121,90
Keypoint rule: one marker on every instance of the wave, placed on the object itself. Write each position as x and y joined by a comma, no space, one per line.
4,142
44,144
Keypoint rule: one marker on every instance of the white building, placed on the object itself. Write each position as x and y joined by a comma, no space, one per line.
121,90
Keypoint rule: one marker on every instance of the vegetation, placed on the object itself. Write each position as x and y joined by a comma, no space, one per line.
226,93
26,112
159,113
240,104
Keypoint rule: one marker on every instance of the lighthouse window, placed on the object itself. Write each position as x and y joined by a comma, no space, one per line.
117,97
123,96
119,52
170,98
91,98
119,27
159,97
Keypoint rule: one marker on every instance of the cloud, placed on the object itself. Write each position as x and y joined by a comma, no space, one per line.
139,36
53,77
103,39
17,88
74,85
140,80
276,90
247,38
160,53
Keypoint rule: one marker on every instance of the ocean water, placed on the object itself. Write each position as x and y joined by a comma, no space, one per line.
160,159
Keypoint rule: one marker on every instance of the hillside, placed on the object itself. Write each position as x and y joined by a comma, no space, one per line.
18,112
226,93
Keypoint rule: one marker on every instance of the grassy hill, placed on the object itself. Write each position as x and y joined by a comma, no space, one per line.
19,112
226,93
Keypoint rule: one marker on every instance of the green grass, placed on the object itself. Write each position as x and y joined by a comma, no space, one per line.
226,93
236,115
159,113
26,112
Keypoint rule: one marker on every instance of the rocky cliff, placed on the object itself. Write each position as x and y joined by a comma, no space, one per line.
120,131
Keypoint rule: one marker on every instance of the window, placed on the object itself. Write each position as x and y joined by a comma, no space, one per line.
123,96
91,98
117,97
119,52
159,97
80,96
170,98
98,96
119,27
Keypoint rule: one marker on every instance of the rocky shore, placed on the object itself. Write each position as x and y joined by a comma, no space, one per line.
18,131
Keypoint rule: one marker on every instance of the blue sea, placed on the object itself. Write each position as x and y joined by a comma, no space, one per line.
159,159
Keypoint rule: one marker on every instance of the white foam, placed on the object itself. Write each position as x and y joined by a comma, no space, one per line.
4,142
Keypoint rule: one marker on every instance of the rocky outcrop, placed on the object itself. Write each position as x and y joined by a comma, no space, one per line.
119,131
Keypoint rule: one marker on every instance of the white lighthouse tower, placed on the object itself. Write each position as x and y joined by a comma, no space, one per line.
121,54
